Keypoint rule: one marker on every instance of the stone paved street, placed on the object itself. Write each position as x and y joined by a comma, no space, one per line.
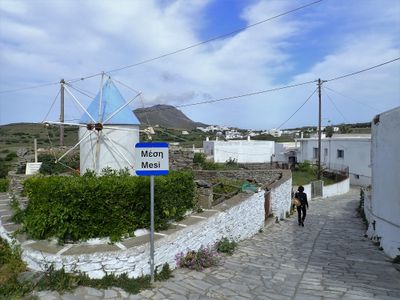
327,259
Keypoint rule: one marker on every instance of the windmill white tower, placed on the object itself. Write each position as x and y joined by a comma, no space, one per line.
116,132
108,131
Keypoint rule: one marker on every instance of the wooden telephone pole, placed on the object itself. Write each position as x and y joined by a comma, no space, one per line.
319,129
62,113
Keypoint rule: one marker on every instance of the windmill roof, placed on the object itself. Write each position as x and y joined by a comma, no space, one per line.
111,102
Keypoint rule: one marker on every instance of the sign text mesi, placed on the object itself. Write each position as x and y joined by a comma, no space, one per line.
151,159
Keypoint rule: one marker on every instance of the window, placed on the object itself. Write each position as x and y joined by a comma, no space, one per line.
340,153
326,151
356,176
315,152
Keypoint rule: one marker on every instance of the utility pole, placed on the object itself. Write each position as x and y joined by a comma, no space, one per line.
62,113
319,129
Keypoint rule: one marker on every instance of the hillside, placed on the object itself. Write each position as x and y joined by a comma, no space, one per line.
166,116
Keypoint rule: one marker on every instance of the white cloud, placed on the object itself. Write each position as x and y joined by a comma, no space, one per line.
42,41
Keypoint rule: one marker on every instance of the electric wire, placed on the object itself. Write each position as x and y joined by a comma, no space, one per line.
334,105
173,52
363,70
298,109
231,97
79,90
352,99
28,87
51,107
204,42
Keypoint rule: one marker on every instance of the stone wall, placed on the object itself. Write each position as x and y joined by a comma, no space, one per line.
237,218
263,177
180,159
281,195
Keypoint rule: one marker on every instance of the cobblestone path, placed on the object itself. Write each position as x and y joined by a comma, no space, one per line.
329,258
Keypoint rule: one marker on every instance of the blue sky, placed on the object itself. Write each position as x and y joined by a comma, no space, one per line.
42,41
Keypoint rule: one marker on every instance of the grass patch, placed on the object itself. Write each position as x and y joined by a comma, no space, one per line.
11,266
226,246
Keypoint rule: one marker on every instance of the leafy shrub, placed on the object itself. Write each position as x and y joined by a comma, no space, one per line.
10,156
305,167
10,267
205,257
4,168
49,167
114,205
199,158
232,163
4,183
226,246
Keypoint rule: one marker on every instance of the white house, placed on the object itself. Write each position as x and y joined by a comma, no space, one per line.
275,132
339,152
383,208
246,151
286,152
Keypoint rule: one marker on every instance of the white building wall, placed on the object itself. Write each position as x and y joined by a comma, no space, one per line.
385,200
356,156
115,154
241,151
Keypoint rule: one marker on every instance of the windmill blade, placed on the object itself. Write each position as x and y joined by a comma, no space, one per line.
70,150
117,150
121,108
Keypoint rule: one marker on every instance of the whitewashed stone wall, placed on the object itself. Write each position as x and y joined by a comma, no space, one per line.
281,198
238,219
331,190
338,188
239,222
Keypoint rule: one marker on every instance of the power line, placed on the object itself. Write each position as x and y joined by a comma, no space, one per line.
359,102
298,109
363,70
214,38
29,87
176,51
229,98
335,106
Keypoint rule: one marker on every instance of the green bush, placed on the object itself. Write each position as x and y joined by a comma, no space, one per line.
114,205
49,167
199,158
4,183
226,246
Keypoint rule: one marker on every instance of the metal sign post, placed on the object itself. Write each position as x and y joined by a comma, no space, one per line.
152,229
152,160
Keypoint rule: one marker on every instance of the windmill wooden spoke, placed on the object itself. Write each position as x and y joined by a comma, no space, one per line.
63,123
80,105
70,150
117,150
121,108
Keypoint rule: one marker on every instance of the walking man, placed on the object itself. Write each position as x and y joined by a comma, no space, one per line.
304,203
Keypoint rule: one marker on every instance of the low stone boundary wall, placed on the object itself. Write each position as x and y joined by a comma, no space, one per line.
237,218
331,190
335,189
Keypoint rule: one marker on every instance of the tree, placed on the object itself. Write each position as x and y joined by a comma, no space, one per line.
344,128
329,131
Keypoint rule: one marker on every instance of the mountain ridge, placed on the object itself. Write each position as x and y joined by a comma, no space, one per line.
166,116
